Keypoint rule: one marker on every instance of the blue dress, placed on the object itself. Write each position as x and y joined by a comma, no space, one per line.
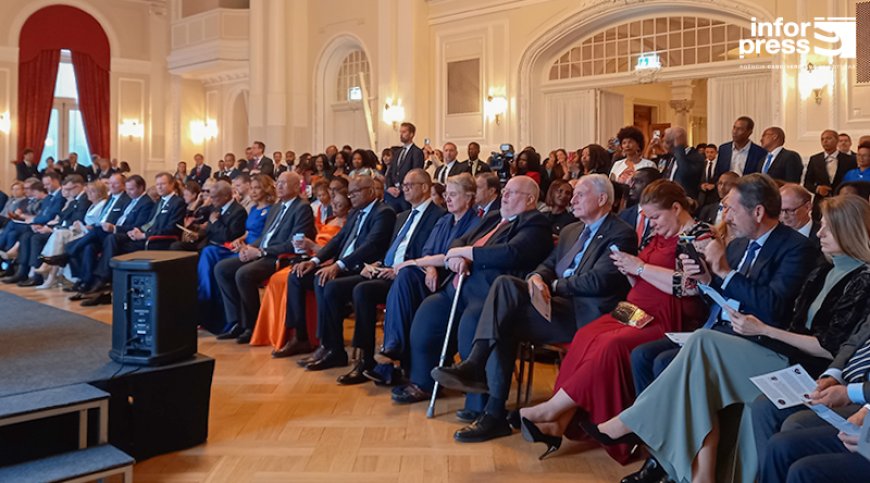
209,295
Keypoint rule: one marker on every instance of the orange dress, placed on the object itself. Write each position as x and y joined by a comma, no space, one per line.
270,328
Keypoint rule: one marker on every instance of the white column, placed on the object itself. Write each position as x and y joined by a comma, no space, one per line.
386,65
258,59
276,77
681,102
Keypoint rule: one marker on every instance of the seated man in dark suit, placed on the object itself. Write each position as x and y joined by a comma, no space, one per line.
123,216
27,167
632,214
488,196
686,165
512,241
86,172
364,238
797,205
712,213
225,223
239,278
370,287
578,279
75,210
166,215
762,269
780,163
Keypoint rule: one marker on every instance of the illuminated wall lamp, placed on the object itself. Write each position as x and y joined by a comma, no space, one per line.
814,80
394,114
202,131
495,107
131,128
5,122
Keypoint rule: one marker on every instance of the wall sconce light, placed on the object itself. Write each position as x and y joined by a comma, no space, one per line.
815,80
202,131
394,114
131,128
494,107
5,122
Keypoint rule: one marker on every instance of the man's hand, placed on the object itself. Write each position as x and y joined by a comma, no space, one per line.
304,268
851,442
708,186
432,278
370,271
327,273
249,253
136,234
833,397
464,252
714,254
458,265
45,230
387,273
693,270
108,227
536,281
823,190
824,383
213,217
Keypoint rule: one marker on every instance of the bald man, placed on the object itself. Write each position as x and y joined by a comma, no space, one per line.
225,224
511,241
826,170
686,166
239,278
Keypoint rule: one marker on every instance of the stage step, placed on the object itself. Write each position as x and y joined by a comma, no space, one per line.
58,398
81,465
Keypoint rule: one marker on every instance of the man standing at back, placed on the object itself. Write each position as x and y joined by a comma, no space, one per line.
406,157
741,151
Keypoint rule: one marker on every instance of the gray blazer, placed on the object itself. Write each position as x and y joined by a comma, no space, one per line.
853,343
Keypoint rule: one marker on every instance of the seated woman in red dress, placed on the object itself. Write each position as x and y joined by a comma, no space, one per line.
595,380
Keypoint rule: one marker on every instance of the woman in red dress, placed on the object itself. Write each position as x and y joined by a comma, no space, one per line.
595,376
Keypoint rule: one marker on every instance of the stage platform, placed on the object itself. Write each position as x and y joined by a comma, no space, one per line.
152,410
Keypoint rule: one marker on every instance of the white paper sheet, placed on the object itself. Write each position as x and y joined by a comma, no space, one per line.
786,388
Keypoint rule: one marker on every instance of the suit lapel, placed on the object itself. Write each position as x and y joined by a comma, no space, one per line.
594,244
765,252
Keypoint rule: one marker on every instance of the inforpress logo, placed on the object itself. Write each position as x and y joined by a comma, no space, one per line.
826,36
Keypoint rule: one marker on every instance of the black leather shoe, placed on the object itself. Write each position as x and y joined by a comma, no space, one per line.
292,348
331,358
75,288
78,296
102,299
465,376
315,356
97,287
355,376
13,279
650,472
30,282
409,394
245,337
387,356
484,428
467,416
234,333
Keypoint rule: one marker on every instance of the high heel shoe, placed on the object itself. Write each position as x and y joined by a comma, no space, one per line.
593,432
532,434
43,269
513,419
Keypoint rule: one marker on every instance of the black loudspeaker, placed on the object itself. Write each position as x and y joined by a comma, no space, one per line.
154,307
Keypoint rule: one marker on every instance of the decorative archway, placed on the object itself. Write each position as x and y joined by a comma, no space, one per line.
592,17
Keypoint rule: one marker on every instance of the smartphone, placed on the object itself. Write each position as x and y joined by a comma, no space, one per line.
657,134
689,249
614,248
426,141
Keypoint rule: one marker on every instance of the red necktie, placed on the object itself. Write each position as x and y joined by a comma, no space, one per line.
640,228
480,212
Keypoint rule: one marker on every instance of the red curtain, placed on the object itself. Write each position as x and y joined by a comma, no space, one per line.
92,81
36,79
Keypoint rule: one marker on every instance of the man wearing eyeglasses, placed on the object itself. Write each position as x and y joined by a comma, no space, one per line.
797,212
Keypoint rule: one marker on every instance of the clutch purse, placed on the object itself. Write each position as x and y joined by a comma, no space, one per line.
629,314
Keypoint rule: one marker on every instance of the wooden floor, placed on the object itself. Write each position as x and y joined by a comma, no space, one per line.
272,421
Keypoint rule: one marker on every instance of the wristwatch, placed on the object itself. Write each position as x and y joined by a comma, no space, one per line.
639,270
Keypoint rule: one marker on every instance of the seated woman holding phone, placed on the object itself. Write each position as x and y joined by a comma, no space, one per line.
594,381
700,395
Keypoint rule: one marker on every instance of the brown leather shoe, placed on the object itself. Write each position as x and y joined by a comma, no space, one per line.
292,348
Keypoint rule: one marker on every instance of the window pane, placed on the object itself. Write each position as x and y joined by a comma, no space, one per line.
77,142
51,139
66,82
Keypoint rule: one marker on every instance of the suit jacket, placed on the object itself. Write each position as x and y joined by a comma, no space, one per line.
515,249
75,210
204,174
708,213
118,208
266,166
786,166
138,216
4,198
424,227
856,341
776,277
396,173
477,166
629,216
298,219
228,226
50,207
371,244
817,174
23,171
689,169
494,206
458,167
596,287
104,174
231,173
171,214
85,172
754,158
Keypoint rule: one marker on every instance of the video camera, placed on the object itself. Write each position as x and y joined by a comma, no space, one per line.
500,162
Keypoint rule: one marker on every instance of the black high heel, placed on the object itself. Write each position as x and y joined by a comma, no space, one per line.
592,430
532,434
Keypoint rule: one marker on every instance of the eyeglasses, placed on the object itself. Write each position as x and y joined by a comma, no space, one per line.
791,211
407,186
358,191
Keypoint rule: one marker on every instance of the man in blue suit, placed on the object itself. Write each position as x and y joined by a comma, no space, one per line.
364,239
512,241
762,269
632,215
580,281
779,163
741,155
406,157
168,213
133,208
201,171
370,287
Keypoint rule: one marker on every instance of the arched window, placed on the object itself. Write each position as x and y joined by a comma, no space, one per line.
348,86
66,131
678,41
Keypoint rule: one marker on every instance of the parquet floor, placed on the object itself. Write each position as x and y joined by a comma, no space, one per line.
274,422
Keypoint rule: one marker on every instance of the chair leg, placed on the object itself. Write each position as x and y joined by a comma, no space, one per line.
521,371
531,377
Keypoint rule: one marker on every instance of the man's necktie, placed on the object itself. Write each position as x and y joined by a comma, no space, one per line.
482,241
274,227
401,157
107,208
480,212
709,171
354,232
127,211
568,262
767,163
147,226
640,229
391,253
858,365
750,256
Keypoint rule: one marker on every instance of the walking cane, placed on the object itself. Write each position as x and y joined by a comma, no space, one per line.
430,411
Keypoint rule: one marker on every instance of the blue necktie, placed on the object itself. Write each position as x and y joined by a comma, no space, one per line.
391,253
767,163
569,263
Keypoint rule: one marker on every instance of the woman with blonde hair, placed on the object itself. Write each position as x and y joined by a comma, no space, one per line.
681,416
